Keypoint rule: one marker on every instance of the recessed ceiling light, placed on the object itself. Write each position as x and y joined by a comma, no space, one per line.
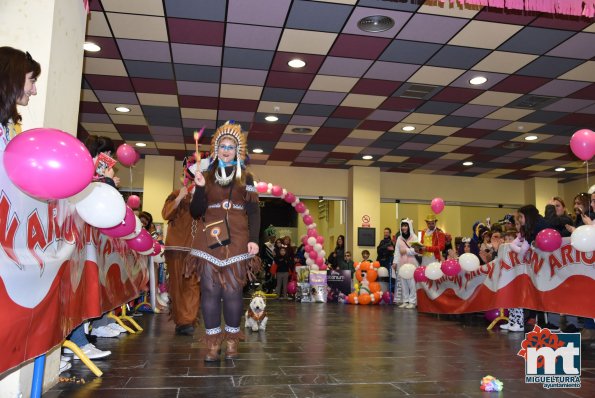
142,144
91,47
296,63
122,109
301,130
375,23
531,138
257,150
408,128
367,157
560,169
271,118
467,163
478,80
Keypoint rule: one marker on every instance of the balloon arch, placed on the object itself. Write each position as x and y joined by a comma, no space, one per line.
313,250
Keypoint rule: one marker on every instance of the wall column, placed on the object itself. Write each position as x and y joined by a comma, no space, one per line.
53,32
159,182
364,199
539,191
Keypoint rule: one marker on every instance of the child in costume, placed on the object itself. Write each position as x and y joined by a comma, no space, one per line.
225,242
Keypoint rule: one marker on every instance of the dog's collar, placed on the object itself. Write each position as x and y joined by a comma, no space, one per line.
256,316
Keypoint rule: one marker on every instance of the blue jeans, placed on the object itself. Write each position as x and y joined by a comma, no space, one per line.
78,336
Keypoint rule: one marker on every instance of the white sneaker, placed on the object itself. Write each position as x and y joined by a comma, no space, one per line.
93,352
505,326
516,328
410,306
403,305
64,366
104,331
117,327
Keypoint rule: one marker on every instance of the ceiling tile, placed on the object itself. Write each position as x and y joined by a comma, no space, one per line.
495,98
443,28
190,31
303,41
484,34
213,10
158,99
247,58
148,7
579,46
333,83
141,27
196,54
289,80
354,46
97,25
104,66
317,16
434,75
449,10
549,66
508,114
363,101
532,40
349,67
282,94
411,52
258,12
391,71
154,70
198,88
422,118
193,113
504,62
249,77
457,57
240,92
250,36
143,50
583,72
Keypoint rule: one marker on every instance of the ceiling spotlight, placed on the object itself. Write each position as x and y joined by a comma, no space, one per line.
559,169
296,63
257,150
301,130
271,118
375,23
141,144
122,109
408,128
367,157
531,138
467,163
91,47
478,80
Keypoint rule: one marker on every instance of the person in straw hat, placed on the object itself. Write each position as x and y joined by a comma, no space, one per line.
433,240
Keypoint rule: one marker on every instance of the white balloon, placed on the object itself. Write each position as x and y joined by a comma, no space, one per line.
583,238
100,205
310,262
433,271
406,271
312,226
318,247
323,254
382,272
592,189
311,241
314,267
469,262
306,255
137,228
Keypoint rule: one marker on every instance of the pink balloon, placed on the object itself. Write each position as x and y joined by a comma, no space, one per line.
292,287
300,207
420,274
133,201
156,248
142,242
305,240
307,247
313,255
320,239
548,240
319,261
308,219
126,155
387,297
262,187
289,197
437,205
136,157
48,163
312,232
451,267
582,144
276,190
126,227
321,267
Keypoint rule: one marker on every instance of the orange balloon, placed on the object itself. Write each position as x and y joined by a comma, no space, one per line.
351,298
376,264
376,297
364,299
358,275
372,275
374,287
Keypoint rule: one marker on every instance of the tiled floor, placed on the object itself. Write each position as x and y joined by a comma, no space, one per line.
322,350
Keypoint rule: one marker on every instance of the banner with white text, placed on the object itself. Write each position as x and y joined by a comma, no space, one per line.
55,272
562,281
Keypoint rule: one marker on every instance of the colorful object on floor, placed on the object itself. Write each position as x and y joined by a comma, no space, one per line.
368,290
490,383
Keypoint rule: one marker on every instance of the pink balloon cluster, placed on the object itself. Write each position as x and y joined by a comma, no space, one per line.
313,251
582,144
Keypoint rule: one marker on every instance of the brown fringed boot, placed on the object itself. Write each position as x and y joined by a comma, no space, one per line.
213,342
232,340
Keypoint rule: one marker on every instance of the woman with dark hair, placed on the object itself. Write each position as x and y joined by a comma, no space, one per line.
339,251
531,222
557,217
225,243
582,211
19,72
101,149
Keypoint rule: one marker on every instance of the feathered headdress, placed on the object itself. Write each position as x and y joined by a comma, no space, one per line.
234,131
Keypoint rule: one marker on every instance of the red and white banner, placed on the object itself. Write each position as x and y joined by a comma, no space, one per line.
562,282
55,272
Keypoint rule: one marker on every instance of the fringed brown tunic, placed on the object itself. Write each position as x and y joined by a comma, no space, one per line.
230,264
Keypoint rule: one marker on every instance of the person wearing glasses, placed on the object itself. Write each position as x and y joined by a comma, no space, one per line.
225,240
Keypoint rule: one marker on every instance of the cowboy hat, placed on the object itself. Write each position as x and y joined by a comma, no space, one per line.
431,217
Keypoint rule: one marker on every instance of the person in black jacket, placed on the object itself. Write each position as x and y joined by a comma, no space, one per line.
557,216
386,251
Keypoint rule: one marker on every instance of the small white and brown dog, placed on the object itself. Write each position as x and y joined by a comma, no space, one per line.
256,316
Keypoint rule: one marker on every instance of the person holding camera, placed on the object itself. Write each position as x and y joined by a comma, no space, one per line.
225,240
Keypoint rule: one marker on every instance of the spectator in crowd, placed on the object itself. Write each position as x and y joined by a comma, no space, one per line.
386,251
